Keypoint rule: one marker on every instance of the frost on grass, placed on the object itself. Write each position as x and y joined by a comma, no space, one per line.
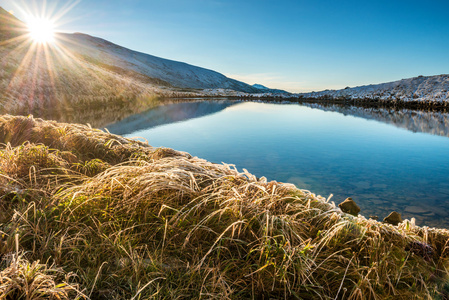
128,220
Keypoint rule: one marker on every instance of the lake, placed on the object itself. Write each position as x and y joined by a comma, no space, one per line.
384,159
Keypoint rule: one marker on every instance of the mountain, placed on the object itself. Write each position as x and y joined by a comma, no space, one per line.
81,70
421,89
260,87
10,26
176,74
265,89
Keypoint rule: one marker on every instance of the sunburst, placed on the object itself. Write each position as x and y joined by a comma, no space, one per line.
41,30
42,50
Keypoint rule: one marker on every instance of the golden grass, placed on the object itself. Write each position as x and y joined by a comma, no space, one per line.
130,221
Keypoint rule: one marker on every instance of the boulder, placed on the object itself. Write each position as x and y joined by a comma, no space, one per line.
394,218
349,206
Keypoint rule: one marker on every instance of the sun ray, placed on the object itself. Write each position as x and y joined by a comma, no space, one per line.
41,30
65,9
32,53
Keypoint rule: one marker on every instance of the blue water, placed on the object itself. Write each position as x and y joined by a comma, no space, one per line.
382,167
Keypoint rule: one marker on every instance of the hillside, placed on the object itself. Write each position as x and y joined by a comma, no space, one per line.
34,78
176,74
80,70
91,215
10,26
421,89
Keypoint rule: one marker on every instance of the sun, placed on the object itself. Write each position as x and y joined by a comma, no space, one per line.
41,30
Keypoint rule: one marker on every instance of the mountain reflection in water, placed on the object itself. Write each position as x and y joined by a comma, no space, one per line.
432,122
167,114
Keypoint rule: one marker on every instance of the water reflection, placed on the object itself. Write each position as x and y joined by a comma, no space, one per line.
318,148
97,116
168,114
125,117
432,122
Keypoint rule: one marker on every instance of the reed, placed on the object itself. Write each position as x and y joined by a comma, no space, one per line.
114,218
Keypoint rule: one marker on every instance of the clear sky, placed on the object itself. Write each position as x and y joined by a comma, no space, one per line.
293,45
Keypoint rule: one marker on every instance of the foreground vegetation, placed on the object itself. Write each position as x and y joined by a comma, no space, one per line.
90,215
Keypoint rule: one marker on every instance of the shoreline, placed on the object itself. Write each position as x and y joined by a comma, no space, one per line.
366,103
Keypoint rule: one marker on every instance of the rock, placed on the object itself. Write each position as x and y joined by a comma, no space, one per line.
350,207
374,217
393,218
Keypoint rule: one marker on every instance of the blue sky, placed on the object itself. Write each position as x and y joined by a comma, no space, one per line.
293,45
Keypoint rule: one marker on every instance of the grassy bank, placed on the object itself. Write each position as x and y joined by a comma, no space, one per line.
90,215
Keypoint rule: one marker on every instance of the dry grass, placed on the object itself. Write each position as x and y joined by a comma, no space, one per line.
130,221
20,279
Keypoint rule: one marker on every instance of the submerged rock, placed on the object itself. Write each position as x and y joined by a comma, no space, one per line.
349,206
416,209
394,218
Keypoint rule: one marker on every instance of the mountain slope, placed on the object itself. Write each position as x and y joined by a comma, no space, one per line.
177,74
434,89
10,26
265,89
80,70
33,78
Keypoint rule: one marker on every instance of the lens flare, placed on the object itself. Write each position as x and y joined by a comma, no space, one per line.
41,30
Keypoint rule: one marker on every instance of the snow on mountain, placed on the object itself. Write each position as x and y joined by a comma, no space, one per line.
174,73
433,89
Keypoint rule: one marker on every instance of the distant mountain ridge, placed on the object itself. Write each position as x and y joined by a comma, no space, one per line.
268,90
433,89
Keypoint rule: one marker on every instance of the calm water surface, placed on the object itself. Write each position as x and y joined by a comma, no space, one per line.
381,166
